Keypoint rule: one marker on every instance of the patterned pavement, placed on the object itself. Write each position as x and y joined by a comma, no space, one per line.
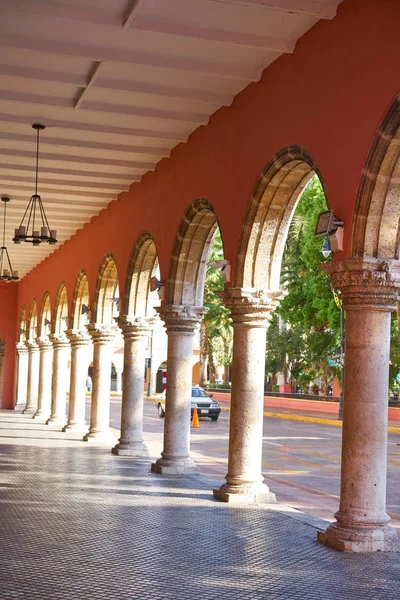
78,523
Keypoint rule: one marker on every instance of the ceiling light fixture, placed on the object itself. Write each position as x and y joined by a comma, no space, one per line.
34,226
6,274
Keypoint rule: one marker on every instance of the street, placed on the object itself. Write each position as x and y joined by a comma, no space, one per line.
301,460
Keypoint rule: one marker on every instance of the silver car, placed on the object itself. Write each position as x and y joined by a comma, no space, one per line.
206,405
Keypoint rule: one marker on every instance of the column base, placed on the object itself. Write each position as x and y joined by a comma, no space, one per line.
165,466
41,415
360,539
103,437
249,493
137,449
29,411
55,421
78,427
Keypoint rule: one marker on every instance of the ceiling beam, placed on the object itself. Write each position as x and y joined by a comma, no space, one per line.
123,177
214,35
62,11
107,107
125,56
92,127
75,183
131,14
84,144
125,85
320,9
110,162
91,81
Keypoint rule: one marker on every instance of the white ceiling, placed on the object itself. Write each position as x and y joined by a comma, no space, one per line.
118,83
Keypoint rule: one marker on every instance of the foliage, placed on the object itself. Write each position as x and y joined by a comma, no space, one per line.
394,366
311,334
217,322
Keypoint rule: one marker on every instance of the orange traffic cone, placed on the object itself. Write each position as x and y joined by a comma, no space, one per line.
195,420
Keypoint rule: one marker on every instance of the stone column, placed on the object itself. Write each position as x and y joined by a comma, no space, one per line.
45,376
181,323
59,382
80,345
369,288
103,344
22,375
250,312
33,378
136,333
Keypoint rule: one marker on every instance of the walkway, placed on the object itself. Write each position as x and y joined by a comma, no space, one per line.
77,523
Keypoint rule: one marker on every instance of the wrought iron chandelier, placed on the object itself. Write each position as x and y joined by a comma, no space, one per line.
34,226
6,270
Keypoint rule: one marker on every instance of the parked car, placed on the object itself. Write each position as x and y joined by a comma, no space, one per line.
206,405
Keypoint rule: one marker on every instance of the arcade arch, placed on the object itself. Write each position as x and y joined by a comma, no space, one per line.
103,332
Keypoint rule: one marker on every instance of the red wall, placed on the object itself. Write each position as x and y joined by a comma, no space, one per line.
329,96
8,319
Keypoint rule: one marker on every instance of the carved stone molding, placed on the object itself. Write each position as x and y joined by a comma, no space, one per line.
132,326
32,346
251,307
2,348
59,340
78,337
44,344
101,333
179,317
366,283
21,348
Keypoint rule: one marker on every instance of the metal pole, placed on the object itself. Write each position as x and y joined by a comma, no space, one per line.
150,381
342,351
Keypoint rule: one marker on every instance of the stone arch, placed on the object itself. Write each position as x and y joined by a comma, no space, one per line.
192,247
61,318
106,304
143,265
80,310
31,333
376,218
44,326
268,218
22,329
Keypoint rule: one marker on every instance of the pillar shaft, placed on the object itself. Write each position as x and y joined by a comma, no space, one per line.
22,375
181,323
80,351
369,289
135,332
33,378
59,382
45,377
250,312
103,343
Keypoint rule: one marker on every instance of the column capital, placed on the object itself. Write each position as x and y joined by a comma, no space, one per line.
78,337
32,345
132,326
101,332
59,340
179,317
21,348
366,283
44,343
251,307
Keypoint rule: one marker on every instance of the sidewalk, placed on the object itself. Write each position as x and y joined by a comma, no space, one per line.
78,523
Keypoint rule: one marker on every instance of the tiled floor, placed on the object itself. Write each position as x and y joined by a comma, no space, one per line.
78,523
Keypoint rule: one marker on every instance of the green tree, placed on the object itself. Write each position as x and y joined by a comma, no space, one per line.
309,308
216,334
